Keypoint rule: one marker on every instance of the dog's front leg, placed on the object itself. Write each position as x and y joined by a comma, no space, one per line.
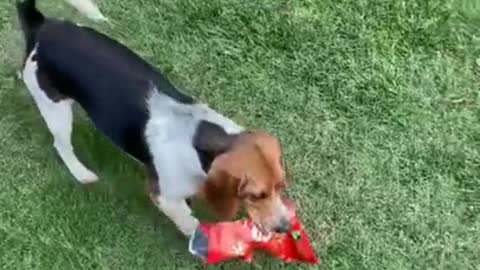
179,212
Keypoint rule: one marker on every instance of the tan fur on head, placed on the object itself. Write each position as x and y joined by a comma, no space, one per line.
251,175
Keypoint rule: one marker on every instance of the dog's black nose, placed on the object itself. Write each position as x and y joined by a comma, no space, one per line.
283,226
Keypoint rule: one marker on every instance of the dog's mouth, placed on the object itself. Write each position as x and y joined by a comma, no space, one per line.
263,233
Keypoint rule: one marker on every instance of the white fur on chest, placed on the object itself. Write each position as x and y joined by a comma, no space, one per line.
169,133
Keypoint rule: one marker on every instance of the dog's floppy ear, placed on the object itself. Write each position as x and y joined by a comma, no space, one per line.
211,138
223,189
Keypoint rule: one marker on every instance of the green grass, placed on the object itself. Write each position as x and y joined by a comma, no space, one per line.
376,102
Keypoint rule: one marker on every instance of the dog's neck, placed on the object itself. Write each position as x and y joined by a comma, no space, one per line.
208,132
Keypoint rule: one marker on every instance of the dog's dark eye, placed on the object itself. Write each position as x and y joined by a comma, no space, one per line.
263,195
259,196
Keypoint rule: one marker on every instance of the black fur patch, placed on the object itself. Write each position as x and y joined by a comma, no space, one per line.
48,86
211,140
110,82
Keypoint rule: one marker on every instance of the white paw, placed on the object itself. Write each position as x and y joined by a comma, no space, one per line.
85,176
188,226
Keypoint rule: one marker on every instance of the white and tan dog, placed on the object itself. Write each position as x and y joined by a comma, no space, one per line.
186,147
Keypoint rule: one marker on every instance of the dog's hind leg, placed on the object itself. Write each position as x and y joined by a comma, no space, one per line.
58,117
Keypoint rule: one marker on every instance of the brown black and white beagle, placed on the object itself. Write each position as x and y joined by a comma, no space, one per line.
187,148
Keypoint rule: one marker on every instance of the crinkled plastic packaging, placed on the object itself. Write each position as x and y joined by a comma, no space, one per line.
224,241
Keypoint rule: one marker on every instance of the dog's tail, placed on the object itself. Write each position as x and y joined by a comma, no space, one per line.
28,12
88,8
30,20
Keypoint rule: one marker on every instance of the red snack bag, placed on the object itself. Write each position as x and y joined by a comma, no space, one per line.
228,240
293,246
224,241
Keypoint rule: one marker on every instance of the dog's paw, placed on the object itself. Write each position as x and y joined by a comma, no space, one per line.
85,176
188,226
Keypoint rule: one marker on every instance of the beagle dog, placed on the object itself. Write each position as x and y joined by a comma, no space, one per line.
187,148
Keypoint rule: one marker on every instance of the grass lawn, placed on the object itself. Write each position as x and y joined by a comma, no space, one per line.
377,104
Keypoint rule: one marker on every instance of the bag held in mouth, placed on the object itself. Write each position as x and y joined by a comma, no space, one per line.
219,242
